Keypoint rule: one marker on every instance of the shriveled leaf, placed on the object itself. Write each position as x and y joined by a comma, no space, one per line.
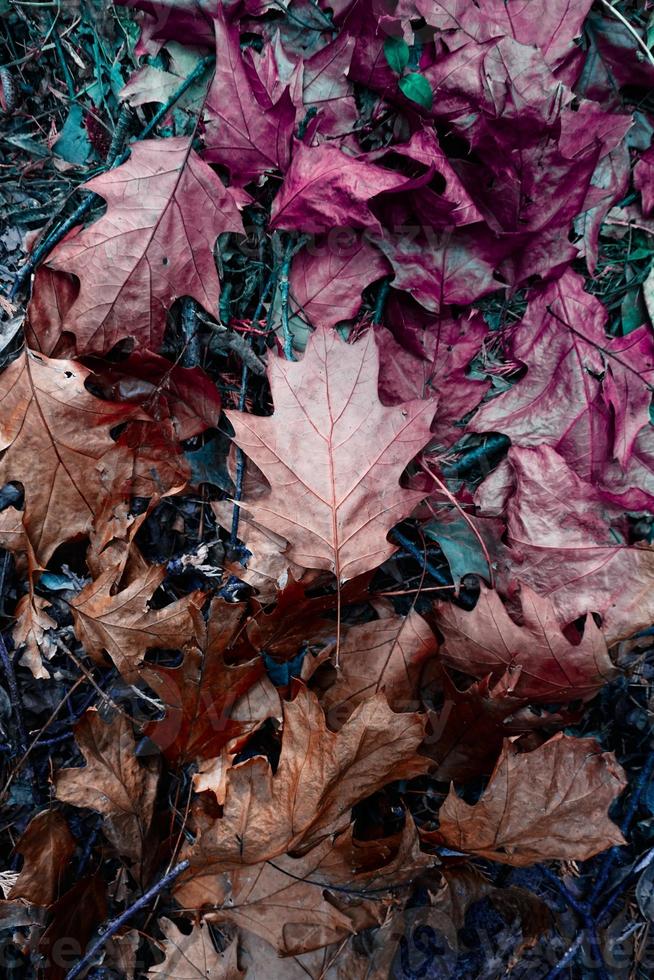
194,956
387,654
165,210
486,640
47,847
320,776
113,782
201,695
336,501
122,623
548,804
55,435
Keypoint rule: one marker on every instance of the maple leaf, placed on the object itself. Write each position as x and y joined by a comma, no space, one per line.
563,546
123,625
201,695
548,804
336,501
551,668
194,956
326,188
47,847
387,654
320,776
53,294
55,435
112,782
165,210
328,278
242,134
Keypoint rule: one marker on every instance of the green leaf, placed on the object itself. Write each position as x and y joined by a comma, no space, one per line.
397,54
417,88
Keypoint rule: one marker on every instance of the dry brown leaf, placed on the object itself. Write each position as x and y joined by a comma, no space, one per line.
113,782
336,500
549,804
387,654
486,640
320,776
123,625
55,434
194,957
209,703
47,846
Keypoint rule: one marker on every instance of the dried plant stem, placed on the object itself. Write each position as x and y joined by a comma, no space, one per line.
114,925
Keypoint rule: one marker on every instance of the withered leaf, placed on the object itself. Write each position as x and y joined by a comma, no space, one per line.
166,208
486,640
319,778
113,782
387,654
47,846
202,694
55,434
194,956
544,805
123,624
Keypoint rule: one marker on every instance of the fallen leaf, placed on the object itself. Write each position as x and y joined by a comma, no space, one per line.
47,847
336,503
195,956
123,625
548,804
320,776
55,434
486,640
113,782
387,654
201,695
165,210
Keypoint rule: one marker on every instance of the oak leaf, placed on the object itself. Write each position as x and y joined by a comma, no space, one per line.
113,782
123,625
165,210
194,956
485,640
202,695
336,501
320,776
563,545
272,899
387,654
55,435
544,805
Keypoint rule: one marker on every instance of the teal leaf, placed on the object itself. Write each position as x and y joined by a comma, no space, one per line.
417,88
397,54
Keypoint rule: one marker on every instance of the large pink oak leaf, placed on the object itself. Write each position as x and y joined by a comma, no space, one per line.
336,500
165,210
